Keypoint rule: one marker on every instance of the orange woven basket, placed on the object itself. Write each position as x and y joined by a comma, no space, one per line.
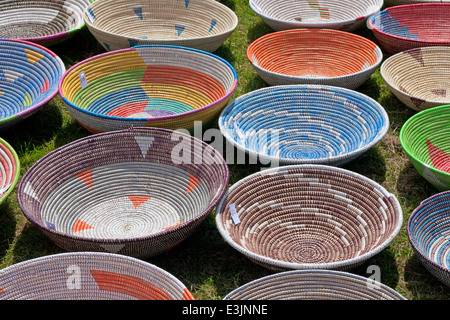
314,56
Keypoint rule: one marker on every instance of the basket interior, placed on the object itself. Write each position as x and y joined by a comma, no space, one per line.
148,82
157,19
37,18
122,186
314,53
302,122
308,215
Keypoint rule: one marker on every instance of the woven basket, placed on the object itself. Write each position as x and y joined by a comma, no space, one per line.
128,192
199,24
308,217
297,124
426,141
9,169
46,22
314,285
89,276
419,77
314,56
411,26
427,229
29,79
158,86
391,3
347,15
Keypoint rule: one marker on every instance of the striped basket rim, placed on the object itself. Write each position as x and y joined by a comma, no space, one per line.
16,173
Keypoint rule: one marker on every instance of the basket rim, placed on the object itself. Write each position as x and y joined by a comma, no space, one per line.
307,266
410,222
149,120
351,35
335,273
392,57
50,96
372,27
358,151
300,24
16,173
405,145
56,36
233,26
66,147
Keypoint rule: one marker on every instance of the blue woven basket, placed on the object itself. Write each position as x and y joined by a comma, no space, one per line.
29,76
297,124
428,231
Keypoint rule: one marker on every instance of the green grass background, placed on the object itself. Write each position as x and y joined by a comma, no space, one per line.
207,265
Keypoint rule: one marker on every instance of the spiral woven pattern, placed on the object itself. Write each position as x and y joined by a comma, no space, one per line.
347,15
314,56
314,285
89,276
46,22
9,169
428,232
425,139
158,86
137,192
199,24
296,124
391,3
419,77
411,26
29,75
308,217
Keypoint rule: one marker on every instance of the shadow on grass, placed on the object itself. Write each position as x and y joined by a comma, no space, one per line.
370,164
7,226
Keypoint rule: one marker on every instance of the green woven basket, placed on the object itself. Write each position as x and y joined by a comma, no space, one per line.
425,138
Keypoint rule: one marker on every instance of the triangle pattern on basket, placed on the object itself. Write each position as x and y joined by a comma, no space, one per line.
439,158
179,29
144,144
186,2
112,248
213,23
29,190
87,178
138,12
138,200
192,184
80,225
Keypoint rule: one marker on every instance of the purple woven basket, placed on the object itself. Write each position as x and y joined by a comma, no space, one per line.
127,192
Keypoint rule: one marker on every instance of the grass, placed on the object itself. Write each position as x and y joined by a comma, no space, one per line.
208,266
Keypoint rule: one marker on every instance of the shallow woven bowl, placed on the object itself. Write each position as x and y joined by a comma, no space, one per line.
89,276
405,27
9,169
158,86
314,56
47,22
428,231
297,124
347,15
313,285
308,217
136,192
29,79
419,77
391,3
199,24
426,141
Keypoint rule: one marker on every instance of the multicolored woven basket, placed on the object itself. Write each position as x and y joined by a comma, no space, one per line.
308,217
157,86
9,169
46,22
347,15
426,141
137,192
314,56
297,124
314,285
89,276
199,24
428,231
411,26
29,76
391,3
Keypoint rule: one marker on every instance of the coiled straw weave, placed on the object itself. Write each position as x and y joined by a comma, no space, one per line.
347,15
308,217
9,169
314,285
136,192
314,56
89,276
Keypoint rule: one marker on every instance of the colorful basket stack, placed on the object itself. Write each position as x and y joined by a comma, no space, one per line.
199,24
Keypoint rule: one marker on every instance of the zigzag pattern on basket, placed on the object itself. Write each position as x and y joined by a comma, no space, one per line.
394,24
